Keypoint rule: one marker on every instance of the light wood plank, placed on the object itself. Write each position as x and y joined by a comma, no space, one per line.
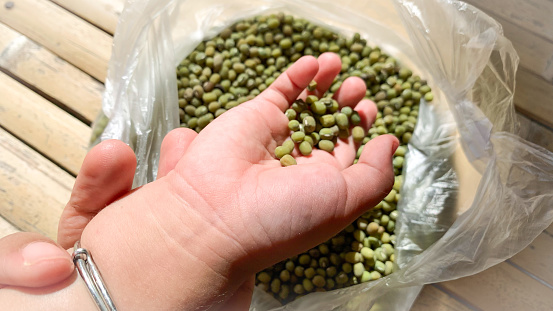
534,97
433,299
534,15
535,52
102,13
63,33
53,76
502,287
536,133
42,125
33,190
536,258
6,228
549,230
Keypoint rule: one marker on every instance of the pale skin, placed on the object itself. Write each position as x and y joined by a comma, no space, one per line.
222,208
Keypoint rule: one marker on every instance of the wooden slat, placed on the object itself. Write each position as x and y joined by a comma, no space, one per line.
537,257
433,299
533,15
535,52
102,13
536,133
33,190
42,125
534,97
63,33
6,228
502,287
36,66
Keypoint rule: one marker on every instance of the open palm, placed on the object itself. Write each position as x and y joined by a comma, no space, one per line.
286,210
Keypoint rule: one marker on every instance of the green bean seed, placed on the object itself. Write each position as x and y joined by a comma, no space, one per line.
205,119
307,285
341,278
264,277
326,145
312,85
358,133
327,120
355,118
366,276
348,111
358,269
380,267
375,275
298,136
299,271
372,228
367,253
318,107
342,120
288,160
354,257
275,285
294,125
309,273
305,148
298,289
284,291
281,151
389,268
428,96
284,275
288,145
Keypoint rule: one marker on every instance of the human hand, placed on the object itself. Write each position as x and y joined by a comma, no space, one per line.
231,165
106,175
228,208
32,260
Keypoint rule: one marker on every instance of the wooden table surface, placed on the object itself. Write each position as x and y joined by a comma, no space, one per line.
53,62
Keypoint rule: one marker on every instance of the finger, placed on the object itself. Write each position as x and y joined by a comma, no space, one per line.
367,111
106,175
32,260
351,92
370,180
288,86
173,147
329,66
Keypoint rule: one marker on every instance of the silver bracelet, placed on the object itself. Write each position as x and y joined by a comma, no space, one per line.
91,276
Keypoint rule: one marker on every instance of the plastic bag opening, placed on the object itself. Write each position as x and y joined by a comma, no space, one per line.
474,164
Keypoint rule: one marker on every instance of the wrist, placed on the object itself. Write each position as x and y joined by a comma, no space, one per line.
143,256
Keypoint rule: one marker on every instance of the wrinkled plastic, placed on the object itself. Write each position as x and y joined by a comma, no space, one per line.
474,194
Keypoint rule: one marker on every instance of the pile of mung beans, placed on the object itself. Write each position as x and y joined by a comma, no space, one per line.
242,61
317,123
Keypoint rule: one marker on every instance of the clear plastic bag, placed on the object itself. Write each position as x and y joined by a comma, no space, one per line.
474,194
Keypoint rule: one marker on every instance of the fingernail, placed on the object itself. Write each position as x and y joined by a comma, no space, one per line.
40,251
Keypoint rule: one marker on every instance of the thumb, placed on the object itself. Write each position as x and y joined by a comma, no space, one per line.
372,178
32,260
